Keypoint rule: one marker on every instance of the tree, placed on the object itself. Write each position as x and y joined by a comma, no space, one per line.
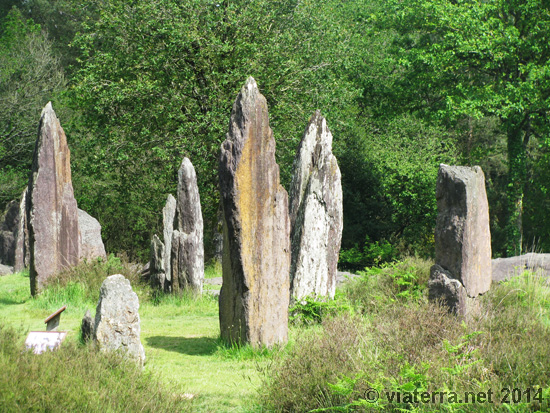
484,58
30,76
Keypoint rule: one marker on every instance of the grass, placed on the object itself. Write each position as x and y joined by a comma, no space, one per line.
379,333
180,334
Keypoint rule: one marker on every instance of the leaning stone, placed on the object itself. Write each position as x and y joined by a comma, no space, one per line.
254,296
51,208
87,327
187,256
462,236
91,245
316,214
117,323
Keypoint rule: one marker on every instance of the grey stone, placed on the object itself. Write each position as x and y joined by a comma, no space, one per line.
316,214
449,290
187,254
254,296
462,236
8,226
168,218
5,269
157,273
51,207
87,327
505,268
22,249
117,323
91,245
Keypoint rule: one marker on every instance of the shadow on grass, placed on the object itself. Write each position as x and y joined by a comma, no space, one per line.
192,346
11,301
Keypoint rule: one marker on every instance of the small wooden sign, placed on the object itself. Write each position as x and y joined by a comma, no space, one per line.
53,320
40,341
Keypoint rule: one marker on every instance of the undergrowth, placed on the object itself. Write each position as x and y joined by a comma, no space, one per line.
398,342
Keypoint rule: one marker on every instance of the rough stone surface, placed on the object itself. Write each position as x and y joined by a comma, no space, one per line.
256,254
22,249
87,327
462,236
442,286
316,214
5,269
91,245
51,208
505,268
187,250
117,323
8,226
157,273
168,217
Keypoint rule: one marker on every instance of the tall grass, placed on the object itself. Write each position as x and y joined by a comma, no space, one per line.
78,378
399,341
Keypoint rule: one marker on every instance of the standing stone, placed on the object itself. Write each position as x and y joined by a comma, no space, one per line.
22,249
168,217
51,207
8,226
256,254
187,249
316,214
91,245
87,327
117,324
157,272
462,269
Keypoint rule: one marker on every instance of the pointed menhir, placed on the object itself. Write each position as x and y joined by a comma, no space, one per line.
256,253
316,216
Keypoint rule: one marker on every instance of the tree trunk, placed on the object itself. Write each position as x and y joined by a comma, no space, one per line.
516,183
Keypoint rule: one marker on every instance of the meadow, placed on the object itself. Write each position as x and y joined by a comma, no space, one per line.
379,336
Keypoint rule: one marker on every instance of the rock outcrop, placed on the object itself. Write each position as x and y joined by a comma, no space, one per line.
316,214
117,323
462,269
91,245
52,213
505,268
256,254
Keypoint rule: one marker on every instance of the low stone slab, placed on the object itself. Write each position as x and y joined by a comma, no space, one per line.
505,268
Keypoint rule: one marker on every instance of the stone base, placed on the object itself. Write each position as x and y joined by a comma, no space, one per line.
442,286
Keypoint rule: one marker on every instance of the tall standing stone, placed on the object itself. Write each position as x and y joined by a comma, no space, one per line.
52,211
256,255
316,214
168,217
8,227
117,323
91,244
462,269
22,249
187,249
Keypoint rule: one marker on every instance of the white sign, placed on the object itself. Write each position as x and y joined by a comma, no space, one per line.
40,341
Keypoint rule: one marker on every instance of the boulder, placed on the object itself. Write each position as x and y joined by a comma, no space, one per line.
462,237
187,250
254,296
117,323
5,270
91,245
505,268
52,212
316,214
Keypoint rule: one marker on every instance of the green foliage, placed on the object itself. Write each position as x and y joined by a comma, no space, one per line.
77,377
310,311
30,76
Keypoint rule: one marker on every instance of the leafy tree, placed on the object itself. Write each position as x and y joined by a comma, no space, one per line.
481,58
30,76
